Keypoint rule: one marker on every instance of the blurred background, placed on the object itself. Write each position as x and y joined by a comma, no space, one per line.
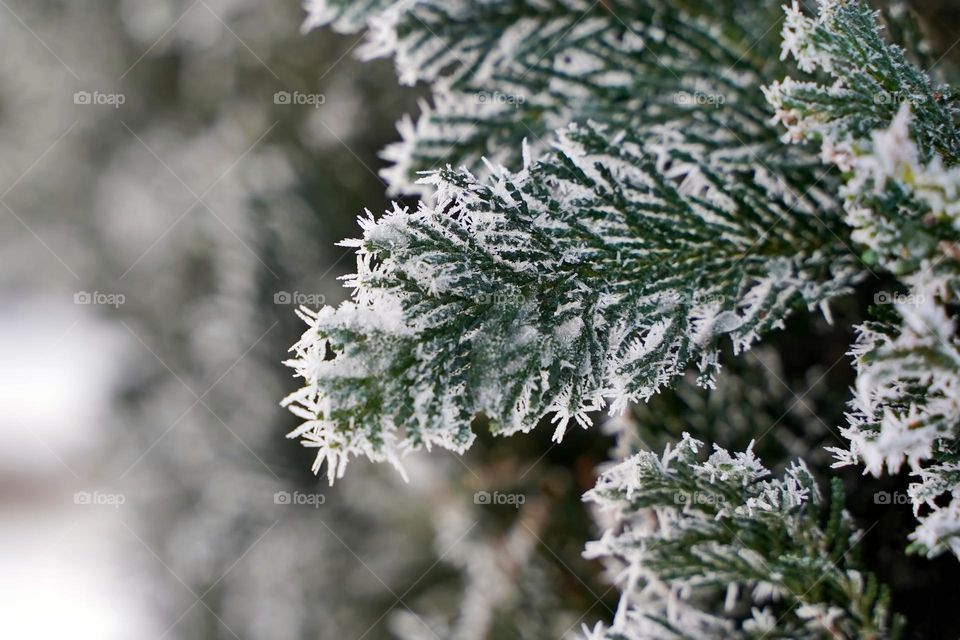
174,177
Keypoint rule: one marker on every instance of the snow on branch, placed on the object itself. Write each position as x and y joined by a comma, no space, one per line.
717,548
894,135
594,277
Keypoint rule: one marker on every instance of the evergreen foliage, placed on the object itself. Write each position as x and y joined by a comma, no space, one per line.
716,548
895,136
611,193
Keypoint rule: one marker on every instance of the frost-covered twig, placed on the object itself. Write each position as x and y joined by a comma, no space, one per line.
716,548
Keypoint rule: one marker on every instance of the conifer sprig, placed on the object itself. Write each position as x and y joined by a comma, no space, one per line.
717,548
592,277
596,274
895,136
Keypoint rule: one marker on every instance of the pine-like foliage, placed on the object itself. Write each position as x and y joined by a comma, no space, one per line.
895,135
608,200
587,276
593,275
716,548
507,70
906,409
870,79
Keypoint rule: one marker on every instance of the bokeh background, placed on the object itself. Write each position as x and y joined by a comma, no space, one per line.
174,176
